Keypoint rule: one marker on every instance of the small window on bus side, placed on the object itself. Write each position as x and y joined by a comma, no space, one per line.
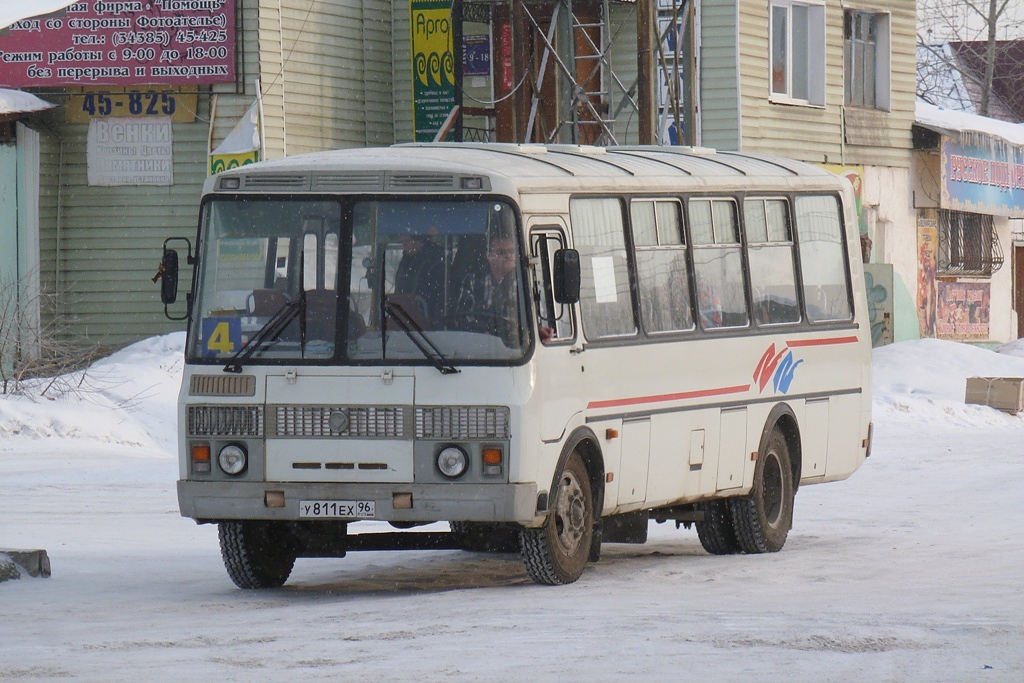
823,265
663,277
554,320
605,300
772,266
717,263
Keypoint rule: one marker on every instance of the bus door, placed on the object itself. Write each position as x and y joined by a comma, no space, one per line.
559,367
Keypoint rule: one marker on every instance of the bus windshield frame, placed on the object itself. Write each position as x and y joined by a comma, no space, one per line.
270,284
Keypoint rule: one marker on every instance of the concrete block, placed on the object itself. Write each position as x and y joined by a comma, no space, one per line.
34,562
1004,393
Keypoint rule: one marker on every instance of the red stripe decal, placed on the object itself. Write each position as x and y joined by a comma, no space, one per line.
619,402
821,342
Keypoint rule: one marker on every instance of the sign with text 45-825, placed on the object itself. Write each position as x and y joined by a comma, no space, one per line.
122,42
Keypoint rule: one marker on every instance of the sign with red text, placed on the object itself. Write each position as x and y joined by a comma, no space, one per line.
130,42
986,177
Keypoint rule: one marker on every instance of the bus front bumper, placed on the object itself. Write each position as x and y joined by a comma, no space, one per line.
211,501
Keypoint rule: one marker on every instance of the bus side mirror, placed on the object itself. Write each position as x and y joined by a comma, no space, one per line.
169,276
567,276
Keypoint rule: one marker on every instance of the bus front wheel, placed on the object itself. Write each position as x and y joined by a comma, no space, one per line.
762,519
256,554
556,553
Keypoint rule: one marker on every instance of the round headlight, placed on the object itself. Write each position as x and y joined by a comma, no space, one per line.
232,459
452,461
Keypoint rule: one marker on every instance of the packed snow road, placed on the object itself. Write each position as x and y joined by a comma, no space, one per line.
908,571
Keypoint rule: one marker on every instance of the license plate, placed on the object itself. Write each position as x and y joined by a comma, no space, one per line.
331,509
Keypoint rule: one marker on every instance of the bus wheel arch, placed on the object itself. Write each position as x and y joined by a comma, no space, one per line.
557,552
763,518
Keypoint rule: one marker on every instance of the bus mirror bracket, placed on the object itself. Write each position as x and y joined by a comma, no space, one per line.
167,274
567,276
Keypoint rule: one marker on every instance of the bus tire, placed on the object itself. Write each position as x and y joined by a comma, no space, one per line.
717,533
256,554
762,519
556,553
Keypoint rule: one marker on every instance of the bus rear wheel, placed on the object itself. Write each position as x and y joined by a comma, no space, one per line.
256,554
717,533
556,553
762,519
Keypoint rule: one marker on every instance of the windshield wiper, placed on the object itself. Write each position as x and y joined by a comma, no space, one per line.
420,338
270,330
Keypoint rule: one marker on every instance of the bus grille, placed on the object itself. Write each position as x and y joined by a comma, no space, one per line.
361,422
222,385
225,421
462,422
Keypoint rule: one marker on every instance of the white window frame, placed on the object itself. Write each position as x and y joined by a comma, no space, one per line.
815,66
883,56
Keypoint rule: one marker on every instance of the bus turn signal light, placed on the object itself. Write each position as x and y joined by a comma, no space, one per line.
492,458
201,458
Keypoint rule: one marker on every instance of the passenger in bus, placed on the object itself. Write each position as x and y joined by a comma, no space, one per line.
487,300
420,275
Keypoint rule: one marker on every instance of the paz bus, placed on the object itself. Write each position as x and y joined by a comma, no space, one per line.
546,347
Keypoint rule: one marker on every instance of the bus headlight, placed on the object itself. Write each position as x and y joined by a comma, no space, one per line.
232,459
452,461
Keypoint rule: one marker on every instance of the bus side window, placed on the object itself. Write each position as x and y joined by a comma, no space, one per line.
606,300
662,274
823,265
770,255
717,263
554,320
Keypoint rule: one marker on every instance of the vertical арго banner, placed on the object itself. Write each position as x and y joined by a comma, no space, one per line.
433,66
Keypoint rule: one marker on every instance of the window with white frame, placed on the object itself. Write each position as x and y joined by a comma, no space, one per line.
797,52
866,59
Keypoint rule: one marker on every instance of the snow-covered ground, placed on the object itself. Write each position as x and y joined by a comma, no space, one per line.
909,571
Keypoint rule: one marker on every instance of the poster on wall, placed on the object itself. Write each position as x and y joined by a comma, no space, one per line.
126,151
927,262
433,67
134,42
983,176
855,174
962,311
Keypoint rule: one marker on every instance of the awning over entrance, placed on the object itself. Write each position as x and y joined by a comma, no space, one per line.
11,12
13,102
954,123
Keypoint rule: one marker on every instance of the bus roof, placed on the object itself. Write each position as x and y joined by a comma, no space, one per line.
514,168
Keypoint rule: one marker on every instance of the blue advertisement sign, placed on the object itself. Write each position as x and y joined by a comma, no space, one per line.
983,178
476,55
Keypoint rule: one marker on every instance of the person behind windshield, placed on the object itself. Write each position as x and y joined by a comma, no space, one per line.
421,274
488,299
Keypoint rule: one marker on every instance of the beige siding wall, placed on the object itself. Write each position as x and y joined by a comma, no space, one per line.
622,27
817,133
402,70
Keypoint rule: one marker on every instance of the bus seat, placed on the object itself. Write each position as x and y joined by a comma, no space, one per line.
265,302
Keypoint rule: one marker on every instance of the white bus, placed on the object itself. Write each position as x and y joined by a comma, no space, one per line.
544,346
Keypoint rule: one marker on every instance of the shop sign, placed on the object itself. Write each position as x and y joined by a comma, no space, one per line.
433,66
984,175
125,151
130,42
476,56
178,103
962,311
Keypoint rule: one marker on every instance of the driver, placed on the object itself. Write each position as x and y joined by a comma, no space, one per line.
487,299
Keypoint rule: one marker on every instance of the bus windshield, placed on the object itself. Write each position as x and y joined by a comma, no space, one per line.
359,281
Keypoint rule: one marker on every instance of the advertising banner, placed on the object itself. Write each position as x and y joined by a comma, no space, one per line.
962,311
433,66
126,151
927,264
130,42
986,176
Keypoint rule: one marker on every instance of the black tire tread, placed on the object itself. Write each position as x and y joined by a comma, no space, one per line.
246,564
717,533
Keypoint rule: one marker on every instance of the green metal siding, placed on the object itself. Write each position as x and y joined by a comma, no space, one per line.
719,74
